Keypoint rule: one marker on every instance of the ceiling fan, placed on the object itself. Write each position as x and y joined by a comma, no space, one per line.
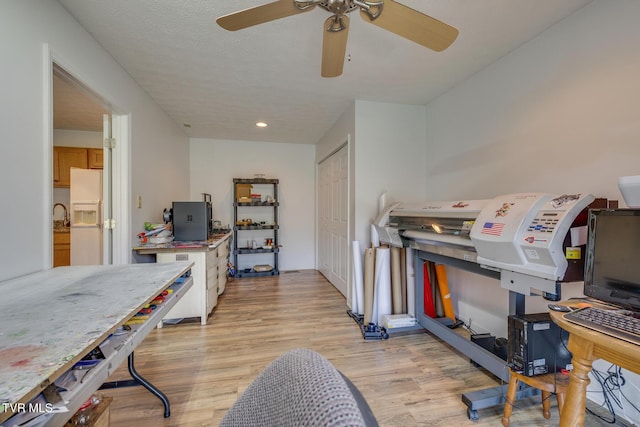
387,14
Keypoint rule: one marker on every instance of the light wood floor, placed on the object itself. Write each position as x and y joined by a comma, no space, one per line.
411,380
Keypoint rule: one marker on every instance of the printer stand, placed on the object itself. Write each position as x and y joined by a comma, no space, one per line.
480,399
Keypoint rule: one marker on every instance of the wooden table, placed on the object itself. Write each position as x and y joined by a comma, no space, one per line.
587,345
51,319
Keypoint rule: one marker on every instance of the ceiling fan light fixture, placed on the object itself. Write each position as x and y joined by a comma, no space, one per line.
390,15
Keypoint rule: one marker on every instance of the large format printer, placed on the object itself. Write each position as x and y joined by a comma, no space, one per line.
528,238
531,242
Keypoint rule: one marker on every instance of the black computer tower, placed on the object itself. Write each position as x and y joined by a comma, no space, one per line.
537,345
191,220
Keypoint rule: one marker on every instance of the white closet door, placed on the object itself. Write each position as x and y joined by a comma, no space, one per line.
333,214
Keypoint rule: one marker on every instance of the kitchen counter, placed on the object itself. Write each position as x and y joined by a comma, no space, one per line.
183,246
61,246
210,258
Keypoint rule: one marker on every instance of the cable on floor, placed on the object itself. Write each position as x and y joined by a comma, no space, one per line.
609,382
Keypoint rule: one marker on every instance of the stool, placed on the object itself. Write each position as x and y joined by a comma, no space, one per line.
547,383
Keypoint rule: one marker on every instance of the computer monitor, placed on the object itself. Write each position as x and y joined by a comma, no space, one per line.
612,265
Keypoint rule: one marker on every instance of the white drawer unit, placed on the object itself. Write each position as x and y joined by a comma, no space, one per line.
209,273
212,279
203,296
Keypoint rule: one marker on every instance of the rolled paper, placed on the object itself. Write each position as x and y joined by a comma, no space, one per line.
396,281
382,289
443,285
357,303
369,268
411,282
429,306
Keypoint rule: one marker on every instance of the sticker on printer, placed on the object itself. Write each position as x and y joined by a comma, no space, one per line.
565,199
573,252
492,228
504,210
532,254
531,240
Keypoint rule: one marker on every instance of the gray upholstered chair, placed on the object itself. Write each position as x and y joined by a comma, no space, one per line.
300,388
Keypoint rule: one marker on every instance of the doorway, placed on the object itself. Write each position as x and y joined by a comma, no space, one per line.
82,178
333,218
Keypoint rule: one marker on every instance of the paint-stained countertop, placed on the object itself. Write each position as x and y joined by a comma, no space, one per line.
182,246
51,319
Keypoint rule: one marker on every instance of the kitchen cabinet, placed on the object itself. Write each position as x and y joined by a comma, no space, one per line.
95,158
203,296
255,211
209,273
61,248
65,158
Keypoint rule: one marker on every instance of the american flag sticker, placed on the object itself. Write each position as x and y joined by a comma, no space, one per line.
492,228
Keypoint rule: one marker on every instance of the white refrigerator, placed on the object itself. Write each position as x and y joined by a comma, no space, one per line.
86,216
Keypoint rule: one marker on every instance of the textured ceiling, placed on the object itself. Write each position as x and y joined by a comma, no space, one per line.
221,83
74,106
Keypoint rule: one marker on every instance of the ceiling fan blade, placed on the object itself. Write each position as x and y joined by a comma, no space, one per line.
334,45
413,25
260,14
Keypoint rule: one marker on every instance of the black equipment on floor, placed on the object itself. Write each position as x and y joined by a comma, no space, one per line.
537,345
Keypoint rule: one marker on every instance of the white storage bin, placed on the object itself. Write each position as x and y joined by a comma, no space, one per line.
630,188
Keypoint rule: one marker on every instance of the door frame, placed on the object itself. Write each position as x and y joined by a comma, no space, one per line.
116,167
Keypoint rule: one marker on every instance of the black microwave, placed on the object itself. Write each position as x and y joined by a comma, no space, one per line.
191,220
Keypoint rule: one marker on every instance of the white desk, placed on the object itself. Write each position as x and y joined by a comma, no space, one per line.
51,319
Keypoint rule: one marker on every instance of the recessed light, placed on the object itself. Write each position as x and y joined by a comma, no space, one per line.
261,124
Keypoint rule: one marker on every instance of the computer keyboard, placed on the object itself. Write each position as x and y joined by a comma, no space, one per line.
610,322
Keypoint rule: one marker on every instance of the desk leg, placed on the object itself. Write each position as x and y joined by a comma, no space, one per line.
574,404
139,380
153,389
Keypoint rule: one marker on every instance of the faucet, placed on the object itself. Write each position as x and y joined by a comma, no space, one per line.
65,219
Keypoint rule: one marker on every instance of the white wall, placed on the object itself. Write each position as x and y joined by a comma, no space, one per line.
387,156
559,114
214,164
77,138
342,129
31,33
